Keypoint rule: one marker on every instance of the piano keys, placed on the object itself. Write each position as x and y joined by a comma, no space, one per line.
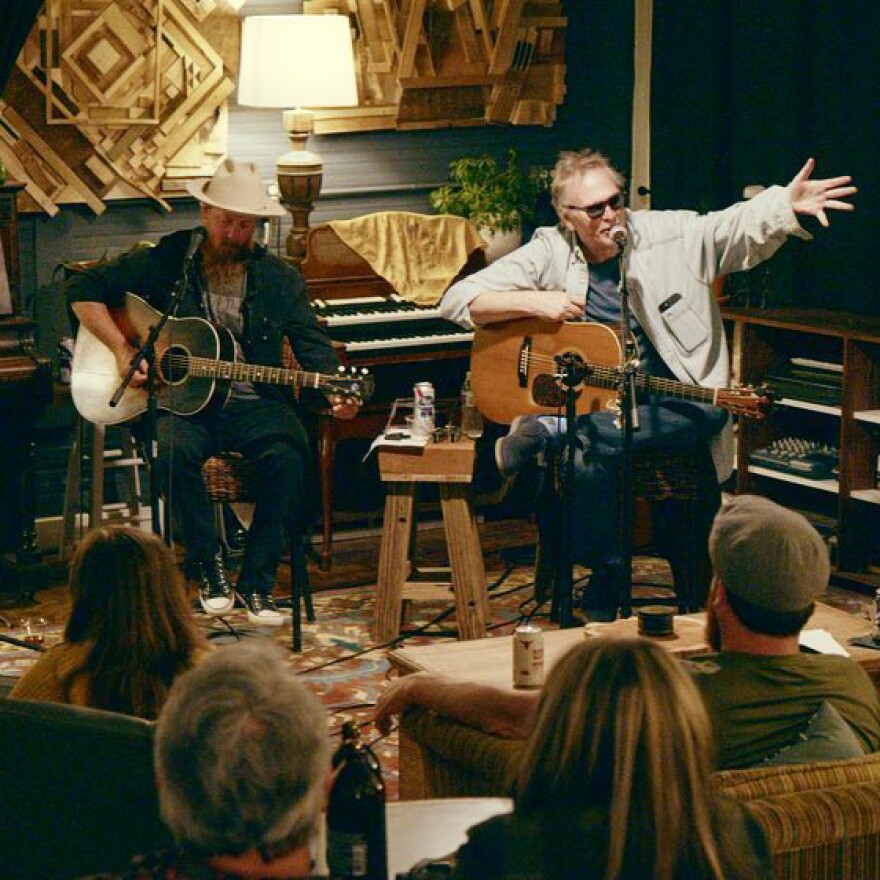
375,323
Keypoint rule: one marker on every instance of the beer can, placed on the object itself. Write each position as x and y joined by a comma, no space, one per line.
528,656
423,409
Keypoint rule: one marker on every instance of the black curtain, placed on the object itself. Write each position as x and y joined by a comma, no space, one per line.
597,111
18,18
743,92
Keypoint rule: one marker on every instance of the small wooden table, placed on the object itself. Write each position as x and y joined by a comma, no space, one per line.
451,467
490,661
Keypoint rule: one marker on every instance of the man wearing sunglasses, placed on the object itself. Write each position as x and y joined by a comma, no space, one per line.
572,271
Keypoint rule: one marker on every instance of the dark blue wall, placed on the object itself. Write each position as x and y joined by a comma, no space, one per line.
745,92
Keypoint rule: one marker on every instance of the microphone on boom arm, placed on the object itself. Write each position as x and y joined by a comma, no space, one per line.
620,237
199,234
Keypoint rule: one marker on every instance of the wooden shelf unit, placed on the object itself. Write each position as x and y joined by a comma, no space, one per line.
765,338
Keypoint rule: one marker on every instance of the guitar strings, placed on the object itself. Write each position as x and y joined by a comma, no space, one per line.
608,375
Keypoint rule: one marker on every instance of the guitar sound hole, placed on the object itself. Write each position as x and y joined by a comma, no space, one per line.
174,365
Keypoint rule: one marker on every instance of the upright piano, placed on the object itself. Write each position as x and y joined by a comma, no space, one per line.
25,391
374,327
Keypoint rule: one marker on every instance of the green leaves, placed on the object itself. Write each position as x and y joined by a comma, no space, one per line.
499,198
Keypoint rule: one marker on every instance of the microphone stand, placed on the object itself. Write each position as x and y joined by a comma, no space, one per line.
561,604
147,352
629,422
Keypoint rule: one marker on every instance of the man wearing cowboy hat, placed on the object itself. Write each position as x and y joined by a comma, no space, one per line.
237,284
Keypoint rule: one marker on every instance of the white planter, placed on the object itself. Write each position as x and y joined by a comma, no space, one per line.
500,243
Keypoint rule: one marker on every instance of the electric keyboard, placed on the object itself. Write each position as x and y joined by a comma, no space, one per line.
371,310
373,323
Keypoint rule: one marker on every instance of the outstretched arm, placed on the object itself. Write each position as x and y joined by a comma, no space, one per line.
504,713
815,197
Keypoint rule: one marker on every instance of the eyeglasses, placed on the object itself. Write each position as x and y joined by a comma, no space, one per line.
594,212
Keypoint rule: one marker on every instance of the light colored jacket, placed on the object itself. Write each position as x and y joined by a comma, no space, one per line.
670,252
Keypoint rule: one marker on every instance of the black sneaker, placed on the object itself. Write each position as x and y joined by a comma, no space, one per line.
261,608
215,591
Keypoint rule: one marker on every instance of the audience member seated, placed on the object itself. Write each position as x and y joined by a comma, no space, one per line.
243,769
615,781
767,700
130,632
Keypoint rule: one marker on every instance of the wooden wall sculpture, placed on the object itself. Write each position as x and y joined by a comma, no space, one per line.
118,98
436,63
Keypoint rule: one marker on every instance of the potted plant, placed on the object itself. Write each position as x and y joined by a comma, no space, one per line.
496,198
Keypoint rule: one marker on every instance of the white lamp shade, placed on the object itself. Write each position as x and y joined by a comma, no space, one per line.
297,61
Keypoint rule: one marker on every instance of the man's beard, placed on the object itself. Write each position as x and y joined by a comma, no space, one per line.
226,262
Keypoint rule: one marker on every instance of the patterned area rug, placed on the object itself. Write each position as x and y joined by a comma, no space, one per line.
339,661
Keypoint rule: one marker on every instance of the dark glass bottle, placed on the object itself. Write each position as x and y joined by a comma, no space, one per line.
356,845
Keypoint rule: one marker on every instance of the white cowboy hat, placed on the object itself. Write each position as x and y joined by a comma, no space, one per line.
236,187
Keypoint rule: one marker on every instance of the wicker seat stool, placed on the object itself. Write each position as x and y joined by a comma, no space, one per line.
230,479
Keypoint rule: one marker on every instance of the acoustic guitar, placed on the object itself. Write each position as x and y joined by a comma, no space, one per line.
521,367
196,366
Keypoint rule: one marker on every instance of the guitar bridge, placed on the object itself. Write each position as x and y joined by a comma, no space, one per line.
522,370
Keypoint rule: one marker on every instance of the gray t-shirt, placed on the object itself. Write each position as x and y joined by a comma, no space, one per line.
224,308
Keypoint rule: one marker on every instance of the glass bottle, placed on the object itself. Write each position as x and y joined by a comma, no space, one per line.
471,420
356,846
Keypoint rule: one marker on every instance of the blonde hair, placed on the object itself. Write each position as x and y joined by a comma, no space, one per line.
573,163
129,605
621,726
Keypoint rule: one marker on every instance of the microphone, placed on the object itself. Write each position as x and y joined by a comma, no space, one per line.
620,237
196,240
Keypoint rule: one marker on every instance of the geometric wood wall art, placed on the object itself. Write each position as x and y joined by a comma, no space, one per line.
437,63
115,98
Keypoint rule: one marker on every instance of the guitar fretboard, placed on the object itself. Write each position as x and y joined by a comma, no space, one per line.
237,371
609,377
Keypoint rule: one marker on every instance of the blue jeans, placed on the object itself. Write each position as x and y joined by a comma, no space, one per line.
664,424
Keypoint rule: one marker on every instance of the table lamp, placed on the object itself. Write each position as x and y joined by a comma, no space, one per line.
295,62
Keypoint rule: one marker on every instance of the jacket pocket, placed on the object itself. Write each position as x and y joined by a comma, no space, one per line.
685,325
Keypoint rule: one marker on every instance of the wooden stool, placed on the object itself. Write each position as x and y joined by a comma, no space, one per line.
451,465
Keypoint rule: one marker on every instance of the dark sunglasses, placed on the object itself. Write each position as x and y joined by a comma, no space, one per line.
594,212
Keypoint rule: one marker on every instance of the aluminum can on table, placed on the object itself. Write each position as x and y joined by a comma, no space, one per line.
423,409
528,656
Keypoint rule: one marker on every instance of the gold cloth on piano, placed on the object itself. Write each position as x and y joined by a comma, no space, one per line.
418,254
